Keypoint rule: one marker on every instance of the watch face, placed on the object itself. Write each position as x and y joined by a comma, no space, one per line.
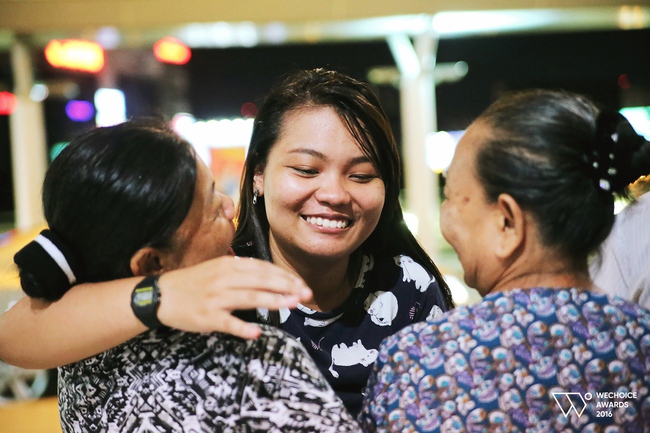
143,296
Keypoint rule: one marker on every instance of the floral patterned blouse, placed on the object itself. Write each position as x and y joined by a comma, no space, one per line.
535,360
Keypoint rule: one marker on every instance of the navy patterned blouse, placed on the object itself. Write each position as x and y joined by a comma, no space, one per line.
390,294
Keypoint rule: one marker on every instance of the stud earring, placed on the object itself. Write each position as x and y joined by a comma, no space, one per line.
256,193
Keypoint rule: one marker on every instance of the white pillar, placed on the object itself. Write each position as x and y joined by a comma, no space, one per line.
416,63
28,145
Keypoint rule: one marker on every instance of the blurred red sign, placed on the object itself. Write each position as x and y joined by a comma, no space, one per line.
8,103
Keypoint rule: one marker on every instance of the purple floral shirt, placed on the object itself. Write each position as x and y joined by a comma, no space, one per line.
535,360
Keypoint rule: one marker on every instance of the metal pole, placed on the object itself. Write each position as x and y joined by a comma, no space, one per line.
416,63
28,145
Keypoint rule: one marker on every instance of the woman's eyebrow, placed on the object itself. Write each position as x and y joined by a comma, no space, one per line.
310,152
360,160
354,161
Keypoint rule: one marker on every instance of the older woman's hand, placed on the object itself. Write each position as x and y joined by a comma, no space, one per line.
201,298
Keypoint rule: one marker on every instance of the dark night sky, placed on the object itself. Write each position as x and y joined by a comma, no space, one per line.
220,81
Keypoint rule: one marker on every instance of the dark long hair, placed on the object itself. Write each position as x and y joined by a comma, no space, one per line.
562,159
116,189
361,111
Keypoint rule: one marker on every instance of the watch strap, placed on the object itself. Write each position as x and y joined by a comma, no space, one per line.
145,301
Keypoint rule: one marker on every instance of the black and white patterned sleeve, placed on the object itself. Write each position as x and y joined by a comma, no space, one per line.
289,391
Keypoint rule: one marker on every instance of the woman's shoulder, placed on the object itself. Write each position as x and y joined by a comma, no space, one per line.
523,316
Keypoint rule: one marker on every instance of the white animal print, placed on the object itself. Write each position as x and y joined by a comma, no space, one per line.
382,307
435,312
414,272
356,354
321,323
367,264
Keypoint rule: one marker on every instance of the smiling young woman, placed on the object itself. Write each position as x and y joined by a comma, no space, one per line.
320,197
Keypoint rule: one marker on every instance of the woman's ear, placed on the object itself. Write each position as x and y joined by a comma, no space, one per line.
512,226
146,261
258,179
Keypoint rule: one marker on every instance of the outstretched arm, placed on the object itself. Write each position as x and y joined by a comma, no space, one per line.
92,318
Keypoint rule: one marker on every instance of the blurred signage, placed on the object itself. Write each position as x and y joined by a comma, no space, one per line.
8,103
76,54
171,50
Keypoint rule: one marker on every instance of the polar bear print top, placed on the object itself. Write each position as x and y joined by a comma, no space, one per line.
413,271
356,354
382,307
390,293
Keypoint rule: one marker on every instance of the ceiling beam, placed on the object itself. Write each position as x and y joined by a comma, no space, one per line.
34,16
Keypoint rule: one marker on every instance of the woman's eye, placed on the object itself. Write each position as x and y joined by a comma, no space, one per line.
305,171
363,177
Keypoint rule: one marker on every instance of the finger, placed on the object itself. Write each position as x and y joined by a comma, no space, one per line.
250,299
266,271
275,284
240,328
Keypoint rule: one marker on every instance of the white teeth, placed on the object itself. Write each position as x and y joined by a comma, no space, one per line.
330,224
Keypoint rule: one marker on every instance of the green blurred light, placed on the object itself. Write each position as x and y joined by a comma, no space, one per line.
57,148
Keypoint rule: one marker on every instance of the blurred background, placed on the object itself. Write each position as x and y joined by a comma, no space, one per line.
69,65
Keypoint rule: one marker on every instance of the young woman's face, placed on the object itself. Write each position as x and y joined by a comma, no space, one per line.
464,213
323,196
208,230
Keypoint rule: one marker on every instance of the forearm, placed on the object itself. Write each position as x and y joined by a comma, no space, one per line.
92,318
89,319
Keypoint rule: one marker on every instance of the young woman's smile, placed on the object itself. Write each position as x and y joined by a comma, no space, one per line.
323,195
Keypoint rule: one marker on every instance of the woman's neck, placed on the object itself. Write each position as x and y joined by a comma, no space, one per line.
331,288
539,266
328,280
551,278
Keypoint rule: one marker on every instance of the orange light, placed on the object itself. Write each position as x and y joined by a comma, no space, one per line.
76,54
8,103
171,50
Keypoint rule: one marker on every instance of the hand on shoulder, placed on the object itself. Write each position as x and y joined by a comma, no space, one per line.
202,298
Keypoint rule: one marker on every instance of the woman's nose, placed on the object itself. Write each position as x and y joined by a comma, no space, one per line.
228,206
333,190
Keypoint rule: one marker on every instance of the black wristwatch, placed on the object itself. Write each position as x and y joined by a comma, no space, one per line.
145,301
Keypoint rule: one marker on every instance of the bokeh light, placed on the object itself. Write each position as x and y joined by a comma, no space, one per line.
248,110
8,103
77,54
57,148
171,50
79,111
39,92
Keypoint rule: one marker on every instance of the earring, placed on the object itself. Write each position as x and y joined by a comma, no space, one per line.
256,193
